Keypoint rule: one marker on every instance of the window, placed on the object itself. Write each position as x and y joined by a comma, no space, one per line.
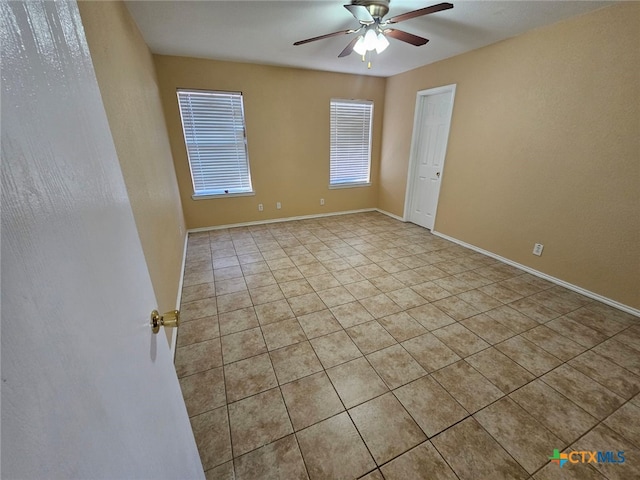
214,133
350,160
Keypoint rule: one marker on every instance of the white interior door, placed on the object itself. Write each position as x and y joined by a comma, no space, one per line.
431,131
87,390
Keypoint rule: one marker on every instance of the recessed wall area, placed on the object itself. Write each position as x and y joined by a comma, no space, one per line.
287,126
543,145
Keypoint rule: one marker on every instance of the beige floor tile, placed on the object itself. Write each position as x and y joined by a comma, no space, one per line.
198,292
518,432
238,320
374,475
203,391
596,321
295,288
335,296
626,422
431,291
556,412
371,271
406,298
611,312
197,278
198,330
456,308
402,326
224,262
267,294
278,263
430,352
310,400
335,348
430,405
500,293
607,373
232,285
582,390
395,366
467,386
228,272
323,282
245,344
488,329
630,337
512,319
287,275
333,449
254,268
579,333
363,289
349,275
351,314
356,382
276,461
294,361
554,343
304,304
319,323
430,317
578,471
380,305
312,269
528,355
408,277
233,301
378,285
370,336
211,431
281,334
503,372
273,312
422,462
479,300
386,427
198,309
452,284
258,420
248,377
221,472
620,353
460,339
534,310
473,454
603,439
198,357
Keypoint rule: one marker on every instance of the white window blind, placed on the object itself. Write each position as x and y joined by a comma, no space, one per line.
350,142
214,133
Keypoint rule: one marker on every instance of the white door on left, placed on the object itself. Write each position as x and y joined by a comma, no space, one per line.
87,390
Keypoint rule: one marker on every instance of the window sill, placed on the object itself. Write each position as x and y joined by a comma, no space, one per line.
223,195
348,185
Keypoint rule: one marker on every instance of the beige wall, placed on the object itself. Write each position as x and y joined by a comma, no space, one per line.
287,120
544,147
127,80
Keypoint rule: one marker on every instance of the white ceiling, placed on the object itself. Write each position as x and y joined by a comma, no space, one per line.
264,31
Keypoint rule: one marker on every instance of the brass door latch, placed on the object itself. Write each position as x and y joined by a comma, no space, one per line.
168,319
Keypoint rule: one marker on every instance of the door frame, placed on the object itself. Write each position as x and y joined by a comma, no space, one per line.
413,161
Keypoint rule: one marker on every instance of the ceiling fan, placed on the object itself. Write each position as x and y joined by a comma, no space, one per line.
370,14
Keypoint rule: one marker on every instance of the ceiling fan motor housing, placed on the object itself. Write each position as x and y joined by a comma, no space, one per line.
377,8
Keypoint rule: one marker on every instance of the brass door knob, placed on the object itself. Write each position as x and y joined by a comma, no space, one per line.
168,319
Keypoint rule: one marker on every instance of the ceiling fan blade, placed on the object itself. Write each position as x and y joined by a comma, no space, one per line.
405,37
418,13
328,35
349,48
360,12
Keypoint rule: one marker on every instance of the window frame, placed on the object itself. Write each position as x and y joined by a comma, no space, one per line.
211,193
369,133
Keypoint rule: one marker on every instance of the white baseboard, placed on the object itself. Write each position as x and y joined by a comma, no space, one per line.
557,281
389,214
278,220
174,337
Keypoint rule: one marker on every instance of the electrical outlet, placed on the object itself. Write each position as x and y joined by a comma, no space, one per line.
278,205
537,249
322,201
260,207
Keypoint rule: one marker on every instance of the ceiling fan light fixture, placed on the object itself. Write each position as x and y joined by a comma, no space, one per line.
370,39
359,47
381,43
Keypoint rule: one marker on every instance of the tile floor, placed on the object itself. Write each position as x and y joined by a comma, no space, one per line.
358,346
